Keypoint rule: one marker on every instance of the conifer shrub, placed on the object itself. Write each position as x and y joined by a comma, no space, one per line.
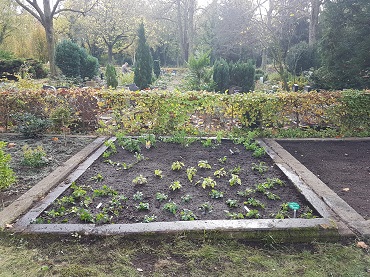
111,76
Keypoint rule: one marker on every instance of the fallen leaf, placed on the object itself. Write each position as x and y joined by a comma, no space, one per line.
345,189
8,226
362,245
54,139
11,144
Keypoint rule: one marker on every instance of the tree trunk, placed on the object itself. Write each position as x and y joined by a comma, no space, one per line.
110,53
47,22
314,21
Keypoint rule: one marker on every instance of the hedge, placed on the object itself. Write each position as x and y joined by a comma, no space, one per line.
161,112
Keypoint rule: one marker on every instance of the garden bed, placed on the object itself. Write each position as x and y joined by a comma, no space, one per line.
343,165
57,150
143,186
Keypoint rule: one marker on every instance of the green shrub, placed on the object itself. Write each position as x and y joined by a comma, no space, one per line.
156,68
300,57
242,74
34,157
7,176
111,76
221,75
67,58
31,126
74,61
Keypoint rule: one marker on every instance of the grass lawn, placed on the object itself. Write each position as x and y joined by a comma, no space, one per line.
180,256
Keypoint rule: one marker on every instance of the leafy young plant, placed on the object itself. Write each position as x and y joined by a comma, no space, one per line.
175,185
186,198
261,167
78,192
215,194
104,191
207,142
259,152
171,207
206,207
7,175
236,170
190,172
254,203
234,215
207,182
161,196
204,164
245,193
98,178
85,215
177,165
158,173
142,206
140,180
34,157
138,196
129,144
252,214
232,203
235,180
220,173
223,159
272,196
187,215
149,218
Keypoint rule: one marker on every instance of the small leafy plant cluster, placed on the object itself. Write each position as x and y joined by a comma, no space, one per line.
7,175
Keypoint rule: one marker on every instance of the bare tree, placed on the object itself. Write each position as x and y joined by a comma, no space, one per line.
45,12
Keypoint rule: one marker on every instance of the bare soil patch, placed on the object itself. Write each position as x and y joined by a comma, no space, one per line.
343,165
105,192
57,149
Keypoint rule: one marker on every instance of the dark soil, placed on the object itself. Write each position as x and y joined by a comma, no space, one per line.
161,157
57,152
342,165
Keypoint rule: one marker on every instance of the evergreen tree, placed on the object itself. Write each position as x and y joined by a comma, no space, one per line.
111,76
221,75
144,62
345,45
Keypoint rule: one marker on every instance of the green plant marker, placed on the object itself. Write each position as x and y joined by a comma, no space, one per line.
294,206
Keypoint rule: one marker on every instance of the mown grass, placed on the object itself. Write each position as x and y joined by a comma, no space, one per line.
180,256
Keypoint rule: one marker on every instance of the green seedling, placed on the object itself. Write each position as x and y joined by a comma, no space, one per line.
235,180
207,182
98,178
129,144
171,207
254,203
259,152
261,167
204,164
207,142
78,192
246,192
234,215
220,173
149,218
222,160
186,198
176,166
187,215
190,172
102,218
161,196
139,157
158,173
252,214
104,191
85,215
206,208
272,196
139,180
215,194
138,196
232,203
236,170
175,185
142,206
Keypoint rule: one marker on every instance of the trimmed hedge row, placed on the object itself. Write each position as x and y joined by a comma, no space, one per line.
342,113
